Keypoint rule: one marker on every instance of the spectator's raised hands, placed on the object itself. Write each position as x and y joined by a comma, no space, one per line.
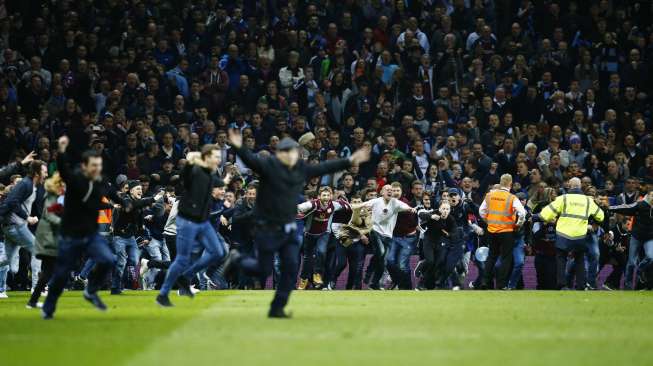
28,158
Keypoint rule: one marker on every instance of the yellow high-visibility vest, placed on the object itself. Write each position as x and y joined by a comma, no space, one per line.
573,211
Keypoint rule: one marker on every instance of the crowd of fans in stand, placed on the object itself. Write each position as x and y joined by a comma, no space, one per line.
449,94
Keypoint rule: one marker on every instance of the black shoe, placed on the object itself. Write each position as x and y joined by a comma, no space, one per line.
46,316
95,300
279,314
184,287
115,291
32,305
163,301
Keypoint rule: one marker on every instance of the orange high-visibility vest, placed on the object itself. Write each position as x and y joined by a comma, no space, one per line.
500,213
105,214
631,220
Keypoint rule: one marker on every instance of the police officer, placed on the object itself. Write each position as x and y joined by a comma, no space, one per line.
573,211
504,214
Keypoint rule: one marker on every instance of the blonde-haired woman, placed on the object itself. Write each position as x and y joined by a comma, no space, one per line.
46,243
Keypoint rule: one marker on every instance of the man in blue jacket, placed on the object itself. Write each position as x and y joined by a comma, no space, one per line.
15,213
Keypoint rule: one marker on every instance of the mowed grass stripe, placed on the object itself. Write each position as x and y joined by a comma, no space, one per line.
81,335
395,328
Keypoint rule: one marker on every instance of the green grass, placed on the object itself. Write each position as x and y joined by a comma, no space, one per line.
337,328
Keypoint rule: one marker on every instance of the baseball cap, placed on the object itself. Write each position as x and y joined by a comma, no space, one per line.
287,144
453,190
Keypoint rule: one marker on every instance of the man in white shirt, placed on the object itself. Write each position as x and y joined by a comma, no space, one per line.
384,217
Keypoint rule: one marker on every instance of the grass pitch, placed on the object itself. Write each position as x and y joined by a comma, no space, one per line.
336,328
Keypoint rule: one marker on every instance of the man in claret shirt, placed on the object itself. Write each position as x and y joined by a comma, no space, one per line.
319,213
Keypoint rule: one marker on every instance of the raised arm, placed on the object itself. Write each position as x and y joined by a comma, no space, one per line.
15,168
251,160
62,164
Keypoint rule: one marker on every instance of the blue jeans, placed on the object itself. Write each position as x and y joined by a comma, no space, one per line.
398,260
518,257
633,257
17,236
593,254
90,264
380,245
188,234
126,250
157,250
315,249
70,252
578,247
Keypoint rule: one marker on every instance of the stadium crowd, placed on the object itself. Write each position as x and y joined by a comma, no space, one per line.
456,99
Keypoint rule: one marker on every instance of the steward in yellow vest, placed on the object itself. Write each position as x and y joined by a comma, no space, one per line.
573,211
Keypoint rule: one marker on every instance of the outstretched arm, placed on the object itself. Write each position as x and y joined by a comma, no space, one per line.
252,161
626,210
360,156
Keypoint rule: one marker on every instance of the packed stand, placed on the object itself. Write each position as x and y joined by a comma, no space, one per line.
461,102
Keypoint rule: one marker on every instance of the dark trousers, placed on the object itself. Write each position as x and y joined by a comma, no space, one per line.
377,263
501,245
450,255
47,269
70,252
171,243
545,268
578,248
431,248
271,239
315,250
353,255
618,261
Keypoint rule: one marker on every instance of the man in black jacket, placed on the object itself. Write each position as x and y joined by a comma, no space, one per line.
282,180
193,225
128,224
79,227
641,238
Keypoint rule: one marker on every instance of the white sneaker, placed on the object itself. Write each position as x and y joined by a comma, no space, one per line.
194,290
456,288
39,305
3,295
471,285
